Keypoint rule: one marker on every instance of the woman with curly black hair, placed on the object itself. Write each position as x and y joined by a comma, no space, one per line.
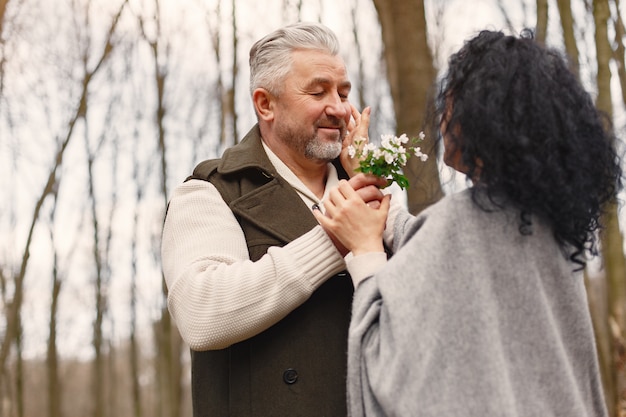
482,309
518,121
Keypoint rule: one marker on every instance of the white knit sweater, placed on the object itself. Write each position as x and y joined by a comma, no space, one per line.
217,296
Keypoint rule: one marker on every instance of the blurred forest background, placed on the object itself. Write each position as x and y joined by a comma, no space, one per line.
107,105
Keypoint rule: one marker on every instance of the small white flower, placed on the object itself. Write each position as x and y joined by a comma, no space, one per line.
385,140
370,147
418,152
422,136
351,151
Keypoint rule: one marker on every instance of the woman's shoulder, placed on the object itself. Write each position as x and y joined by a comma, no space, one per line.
449,208
467,212
443,213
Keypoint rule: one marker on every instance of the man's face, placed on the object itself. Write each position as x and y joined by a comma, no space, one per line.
312,111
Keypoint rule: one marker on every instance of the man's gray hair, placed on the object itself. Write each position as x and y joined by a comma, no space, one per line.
270,57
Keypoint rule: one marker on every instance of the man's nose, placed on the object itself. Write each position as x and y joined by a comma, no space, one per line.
337,106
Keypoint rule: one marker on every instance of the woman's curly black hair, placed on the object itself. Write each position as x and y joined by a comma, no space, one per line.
529,133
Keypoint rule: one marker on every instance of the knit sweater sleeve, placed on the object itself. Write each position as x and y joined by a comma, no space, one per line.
216,294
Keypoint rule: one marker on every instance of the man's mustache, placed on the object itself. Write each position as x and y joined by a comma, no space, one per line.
332,123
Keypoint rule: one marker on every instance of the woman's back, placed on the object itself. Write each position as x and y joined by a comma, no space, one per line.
476,320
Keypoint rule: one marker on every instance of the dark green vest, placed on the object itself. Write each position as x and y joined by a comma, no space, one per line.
298,366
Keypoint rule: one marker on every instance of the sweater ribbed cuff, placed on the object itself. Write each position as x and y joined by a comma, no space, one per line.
365,265
318,256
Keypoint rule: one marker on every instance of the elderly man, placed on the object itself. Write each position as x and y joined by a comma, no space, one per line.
257,288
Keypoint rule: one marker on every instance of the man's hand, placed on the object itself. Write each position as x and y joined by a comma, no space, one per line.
368,188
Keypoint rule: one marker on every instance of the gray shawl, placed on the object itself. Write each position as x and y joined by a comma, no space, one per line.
470,318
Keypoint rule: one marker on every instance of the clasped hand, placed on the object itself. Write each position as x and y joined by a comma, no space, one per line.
356,213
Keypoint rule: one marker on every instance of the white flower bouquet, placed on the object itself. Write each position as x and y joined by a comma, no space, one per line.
387,160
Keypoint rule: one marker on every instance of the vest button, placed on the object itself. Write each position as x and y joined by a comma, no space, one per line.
290,376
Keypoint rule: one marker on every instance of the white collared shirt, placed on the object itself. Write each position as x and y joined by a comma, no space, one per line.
309,198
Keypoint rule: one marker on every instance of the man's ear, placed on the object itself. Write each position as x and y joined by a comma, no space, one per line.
263,102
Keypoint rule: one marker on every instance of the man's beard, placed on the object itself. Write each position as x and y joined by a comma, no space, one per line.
323,151
311,146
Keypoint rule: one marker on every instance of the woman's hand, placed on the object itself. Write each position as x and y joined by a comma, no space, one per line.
351,221
357,129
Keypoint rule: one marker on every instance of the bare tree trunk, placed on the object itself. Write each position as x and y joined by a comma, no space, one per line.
214,35
4,373
411,74
235,70
620,52
542,21
52,356
569,38
357,45
113,408
19,374
168,341
54,382
135,351
3,56
612,240
98,380
601,15
3,9
99,253
100,299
